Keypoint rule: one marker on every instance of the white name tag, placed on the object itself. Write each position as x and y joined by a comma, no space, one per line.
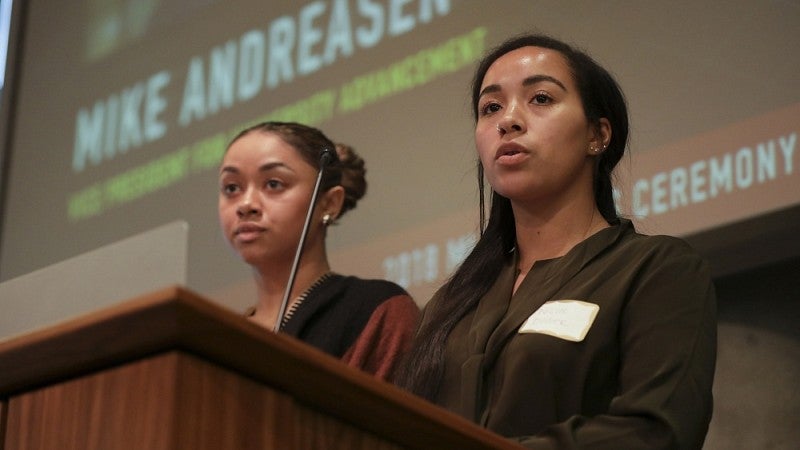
565,319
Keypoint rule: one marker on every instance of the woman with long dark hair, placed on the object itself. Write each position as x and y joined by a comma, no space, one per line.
564,327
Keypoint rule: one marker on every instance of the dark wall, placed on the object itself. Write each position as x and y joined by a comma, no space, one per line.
757,384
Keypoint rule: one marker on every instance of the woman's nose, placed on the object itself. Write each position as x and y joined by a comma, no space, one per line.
510,122
248,205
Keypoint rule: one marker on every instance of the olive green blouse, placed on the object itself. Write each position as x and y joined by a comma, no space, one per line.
611,346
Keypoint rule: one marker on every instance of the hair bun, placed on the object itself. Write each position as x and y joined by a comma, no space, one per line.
354,179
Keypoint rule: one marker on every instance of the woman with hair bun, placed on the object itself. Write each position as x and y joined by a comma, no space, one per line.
266,180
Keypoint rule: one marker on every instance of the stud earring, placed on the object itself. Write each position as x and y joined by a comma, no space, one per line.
326,219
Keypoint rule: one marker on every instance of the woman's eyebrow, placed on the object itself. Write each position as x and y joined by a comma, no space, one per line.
263,168
531,80
539,78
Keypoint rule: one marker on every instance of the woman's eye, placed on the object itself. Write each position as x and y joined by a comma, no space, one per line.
541,99
490,108
229,188
273,184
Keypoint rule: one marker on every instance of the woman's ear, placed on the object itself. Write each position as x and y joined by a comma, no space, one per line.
331,202
601,136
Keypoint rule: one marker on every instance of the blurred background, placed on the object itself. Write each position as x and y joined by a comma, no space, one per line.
115,114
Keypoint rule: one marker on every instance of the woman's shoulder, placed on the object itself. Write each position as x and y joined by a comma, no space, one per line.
640,251
379,297
370,288
656,243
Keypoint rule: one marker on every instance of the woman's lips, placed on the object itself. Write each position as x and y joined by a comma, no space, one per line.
510,154
248,232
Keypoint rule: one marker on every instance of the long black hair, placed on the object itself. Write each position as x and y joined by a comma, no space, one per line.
601,97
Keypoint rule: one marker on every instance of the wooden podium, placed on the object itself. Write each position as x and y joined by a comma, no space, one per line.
171,370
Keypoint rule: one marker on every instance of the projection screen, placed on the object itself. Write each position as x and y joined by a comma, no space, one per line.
122,109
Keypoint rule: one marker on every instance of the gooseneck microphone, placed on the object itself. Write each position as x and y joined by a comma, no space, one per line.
326,156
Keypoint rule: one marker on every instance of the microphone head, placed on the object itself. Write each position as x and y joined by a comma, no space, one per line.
327,156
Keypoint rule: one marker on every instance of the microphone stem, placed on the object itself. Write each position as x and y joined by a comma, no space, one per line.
299,252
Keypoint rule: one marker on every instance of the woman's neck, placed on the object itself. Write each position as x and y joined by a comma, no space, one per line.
271,286
546,235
